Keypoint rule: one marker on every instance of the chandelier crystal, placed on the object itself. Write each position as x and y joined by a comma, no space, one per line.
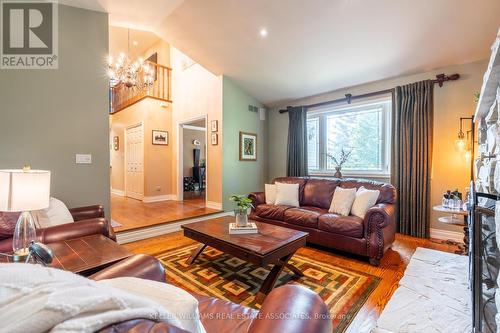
132,74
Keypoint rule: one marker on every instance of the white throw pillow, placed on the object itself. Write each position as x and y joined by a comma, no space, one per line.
57,213
179,302
287,194
342,201
270,190
365,199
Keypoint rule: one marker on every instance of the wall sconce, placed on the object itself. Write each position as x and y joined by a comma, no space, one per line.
465,143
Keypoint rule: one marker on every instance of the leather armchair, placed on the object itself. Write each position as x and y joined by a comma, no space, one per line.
88,221
287,309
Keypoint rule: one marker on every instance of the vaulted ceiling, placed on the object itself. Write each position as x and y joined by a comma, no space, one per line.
314,46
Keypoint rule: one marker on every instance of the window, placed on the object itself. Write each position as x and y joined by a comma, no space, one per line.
363,128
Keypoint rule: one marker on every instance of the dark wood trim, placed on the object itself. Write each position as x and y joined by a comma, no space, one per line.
440,79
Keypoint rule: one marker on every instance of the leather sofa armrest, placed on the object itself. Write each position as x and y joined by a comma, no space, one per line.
381,214
380,230
88,212
75,230
140,265
292,309
67,231
257,198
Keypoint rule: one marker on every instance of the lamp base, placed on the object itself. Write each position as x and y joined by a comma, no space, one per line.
20,255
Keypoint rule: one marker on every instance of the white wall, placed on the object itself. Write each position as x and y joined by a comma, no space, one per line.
196,93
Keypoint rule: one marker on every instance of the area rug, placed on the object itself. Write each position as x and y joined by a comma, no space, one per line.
221,275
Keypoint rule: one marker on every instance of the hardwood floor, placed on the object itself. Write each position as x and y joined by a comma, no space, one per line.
132,214
391,268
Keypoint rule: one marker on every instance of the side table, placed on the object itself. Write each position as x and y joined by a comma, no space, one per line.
456,217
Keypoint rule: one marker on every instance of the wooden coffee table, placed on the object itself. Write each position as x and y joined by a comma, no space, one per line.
85,255
272,245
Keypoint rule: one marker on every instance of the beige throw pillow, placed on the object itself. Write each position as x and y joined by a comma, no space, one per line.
57,213
365,199
287,194
270,192
342,201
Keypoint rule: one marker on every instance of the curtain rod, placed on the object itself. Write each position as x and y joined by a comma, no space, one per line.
440,79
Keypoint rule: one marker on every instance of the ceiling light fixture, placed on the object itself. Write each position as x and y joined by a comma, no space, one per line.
132,74
263,32
135,43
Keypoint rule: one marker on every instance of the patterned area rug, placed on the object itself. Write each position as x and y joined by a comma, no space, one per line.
221,275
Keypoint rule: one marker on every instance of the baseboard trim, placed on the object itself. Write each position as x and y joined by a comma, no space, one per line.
214,205
447,235
158,198
118,192
162,229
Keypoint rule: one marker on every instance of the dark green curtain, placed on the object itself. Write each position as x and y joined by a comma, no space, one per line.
412,155
296,165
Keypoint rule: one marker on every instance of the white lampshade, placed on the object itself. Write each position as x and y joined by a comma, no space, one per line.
22,191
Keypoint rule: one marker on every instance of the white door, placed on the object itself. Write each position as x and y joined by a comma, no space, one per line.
134,162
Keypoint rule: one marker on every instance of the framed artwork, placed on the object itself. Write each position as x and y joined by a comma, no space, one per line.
214,139
160,137
248,146
116,143
214,125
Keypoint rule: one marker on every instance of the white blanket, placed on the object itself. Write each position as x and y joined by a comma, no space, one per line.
38,299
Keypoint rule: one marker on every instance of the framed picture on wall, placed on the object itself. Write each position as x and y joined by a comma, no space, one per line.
160,137
248,146
214,126
214,139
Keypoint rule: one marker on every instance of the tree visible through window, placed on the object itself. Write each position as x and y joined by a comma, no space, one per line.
362,128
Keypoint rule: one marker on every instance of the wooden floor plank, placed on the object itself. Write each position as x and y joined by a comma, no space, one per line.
132,214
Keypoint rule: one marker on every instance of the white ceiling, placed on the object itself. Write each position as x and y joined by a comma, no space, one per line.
315,46
119,41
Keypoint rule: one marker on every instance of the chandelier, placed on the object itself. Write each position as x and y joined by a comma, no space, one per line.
132,74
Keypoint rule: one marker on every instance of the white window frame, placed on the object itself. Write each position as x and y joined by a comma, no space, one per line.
322,113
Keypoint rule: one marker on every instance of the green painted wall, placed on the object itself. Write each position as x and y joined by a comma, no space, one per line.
48,116
240,177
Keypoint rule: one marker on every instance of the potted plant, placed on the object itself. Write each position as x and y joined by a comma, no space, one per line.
241,213
344,156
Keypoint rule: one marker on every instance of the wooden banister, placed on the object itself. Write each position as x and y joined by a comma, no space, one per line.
122,97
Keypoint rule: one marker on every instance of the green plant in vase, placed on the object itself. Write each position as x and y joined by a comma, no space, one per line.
241,213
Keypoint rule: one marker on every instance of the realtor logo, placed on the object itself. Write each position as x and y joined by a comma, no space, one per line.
28,34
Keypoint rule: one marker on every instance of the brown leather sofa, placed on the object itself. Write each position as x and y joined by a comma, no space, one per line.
88,221
287,309
369,237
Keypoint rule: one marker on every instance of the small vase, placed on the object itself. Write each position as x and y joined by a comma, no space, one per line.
337,174
241,217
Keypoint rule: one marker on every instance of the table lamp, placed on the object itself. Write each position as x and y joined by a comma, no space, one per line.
24,191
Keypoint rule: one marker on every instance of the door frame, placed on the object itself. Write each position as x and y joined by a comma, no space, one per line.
180,155
141,124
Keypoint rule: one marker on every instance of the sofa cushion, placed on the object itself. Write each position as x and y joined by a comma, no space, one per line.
306,216
351,226
272,212
387,192
287,194
7,224
319,192
293,180
342,201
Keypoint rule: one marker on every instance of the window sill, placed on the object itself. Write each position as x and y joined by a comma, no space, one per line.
352,175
